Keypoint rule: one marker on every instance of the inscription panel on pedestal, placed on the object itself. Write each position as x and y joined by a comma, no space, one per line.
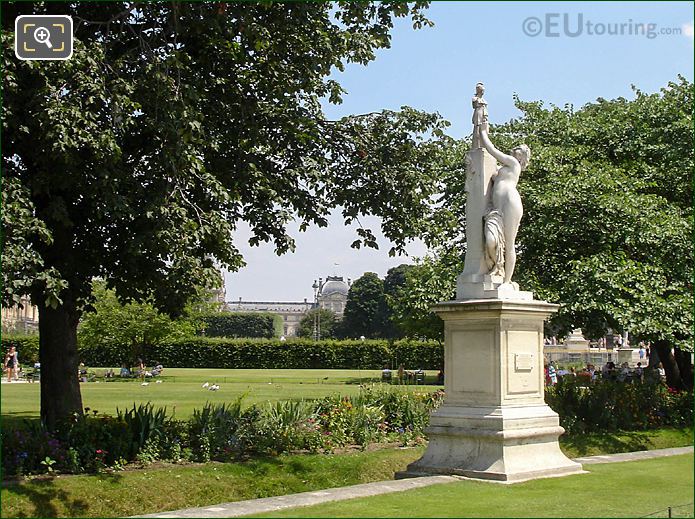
523,362
473,361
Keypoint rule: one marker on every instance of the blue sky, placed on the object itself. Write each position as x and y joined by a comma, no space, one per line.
435,69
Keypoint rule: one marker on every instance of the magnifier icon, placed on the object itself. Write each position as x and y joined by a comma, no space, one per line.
43,35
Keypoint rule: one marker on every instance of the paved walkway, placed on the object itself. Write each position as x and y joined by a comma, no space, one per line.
631,456
271,504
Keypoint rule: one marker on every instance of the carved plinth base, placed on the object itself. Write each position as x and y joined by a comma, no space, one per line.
506,444
491,287
494,423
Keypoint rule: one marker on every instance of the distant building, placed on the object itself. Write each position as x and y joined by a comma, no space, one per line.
21,320
330,295
333,295
290,312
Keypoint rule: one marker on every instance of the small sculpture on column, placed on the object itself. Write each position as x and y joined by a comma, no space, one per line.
479,115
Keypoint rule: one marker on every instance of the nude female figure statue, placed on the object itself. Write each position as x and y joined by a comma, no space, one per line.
505,209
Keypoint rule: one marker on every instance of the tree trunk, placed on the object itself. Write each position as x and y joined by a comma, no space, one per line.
668,361
685,366
60,387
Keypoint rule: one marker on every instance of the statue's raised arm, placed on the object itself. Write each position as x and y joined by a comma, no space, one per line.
503,158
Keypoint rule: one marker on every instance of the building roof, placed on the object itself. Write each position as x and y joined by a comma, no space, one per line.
333,285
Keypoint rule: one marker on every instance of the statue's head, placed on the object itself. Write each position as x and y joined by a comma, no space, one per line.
522,153
479,89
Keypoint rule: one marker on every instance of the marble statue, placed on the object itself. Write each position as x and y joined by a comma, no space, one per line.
479,114
504,208
493,423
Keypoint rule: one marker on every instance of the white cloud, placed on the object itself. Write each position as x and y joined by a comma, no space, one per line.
688,30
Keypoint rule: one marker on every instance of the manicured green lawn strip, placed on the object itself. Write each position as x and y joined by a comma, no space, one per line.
594,444
629,489
148,491
181,389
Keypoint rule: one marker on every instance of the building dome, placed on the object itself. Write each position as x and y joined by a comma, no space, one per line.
334,285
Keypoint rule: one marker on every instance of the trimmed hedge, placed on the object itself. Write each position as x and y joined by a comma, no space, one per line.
27,347
206,352
243,324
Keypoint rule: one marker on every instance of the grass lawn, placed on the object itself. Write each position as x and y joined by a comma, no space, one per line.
630,489
181,389
593,444
169,488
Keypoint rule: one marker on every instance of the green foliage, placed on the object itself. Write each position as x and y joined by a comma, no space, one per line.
608,220
428,282
366,310
241,324
203,352
327,320
146,424
607,405
27,347
221,432
135,160
125,332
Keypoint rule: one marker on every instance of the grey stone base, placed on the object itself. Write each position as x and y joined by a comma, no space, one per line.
491,477
503,444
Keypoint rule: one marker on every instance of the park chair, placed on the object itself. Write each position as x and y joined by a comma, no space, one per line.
34,375
420,377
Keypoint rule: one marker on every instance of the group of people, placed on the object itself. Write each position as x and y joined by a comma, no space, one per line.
609,371
140,371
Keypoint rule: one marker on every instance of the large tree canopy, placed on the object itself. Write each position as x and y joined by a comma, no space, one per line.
134,160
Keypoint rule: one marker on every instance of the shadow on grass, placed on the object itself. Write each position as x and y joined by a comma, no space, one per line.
18,420
607,443
45,497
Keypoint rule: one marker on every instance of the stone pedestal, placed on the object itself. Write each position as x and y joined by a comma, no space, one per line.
576,342
494,423
627,355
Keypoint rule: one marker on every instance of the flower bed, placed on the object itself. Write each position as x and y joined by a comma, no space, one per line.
93,442
608,405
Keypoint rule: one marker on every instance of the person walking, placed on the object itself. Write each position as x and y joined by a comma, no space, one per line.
11,363
552,374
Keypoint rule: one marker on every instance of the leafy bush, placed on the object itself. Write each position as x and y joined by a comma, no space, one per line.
27,347
223,431
90,443
611,405
205,352
242,324
145,423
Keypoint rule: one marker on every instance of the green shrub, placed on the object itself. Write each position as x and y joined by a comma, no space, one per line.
205,352
224,431
27,347
146,424
611,405
243,325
